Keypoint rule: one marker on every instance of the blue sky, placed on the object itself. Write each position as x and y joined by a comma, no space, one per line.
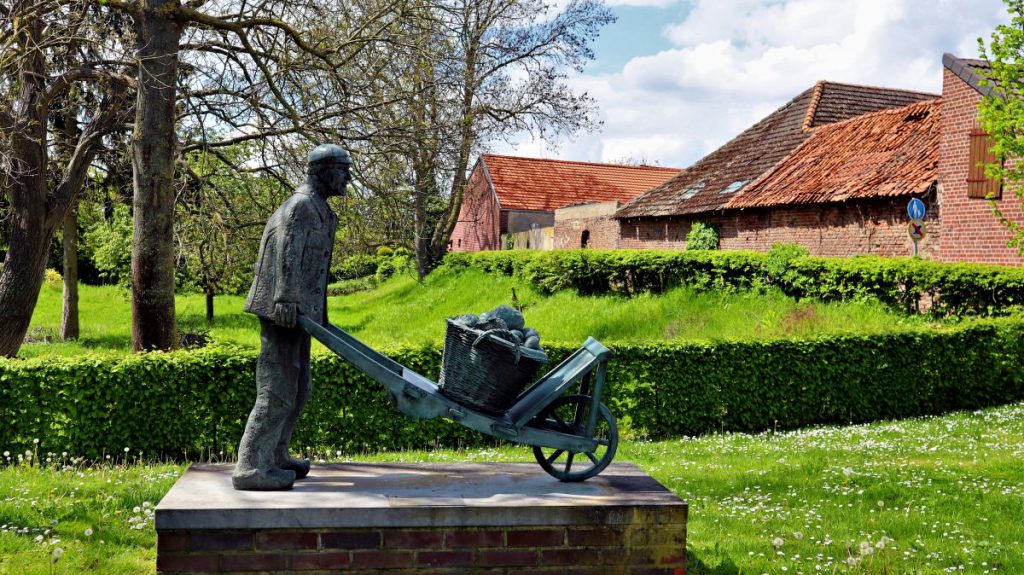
675,79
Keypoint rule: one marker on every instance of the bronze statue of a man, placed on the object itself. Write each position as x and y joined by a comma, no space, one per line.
291,279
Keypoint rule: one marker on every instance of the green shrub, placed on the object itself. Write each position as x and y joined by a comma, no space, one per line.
779,258
110,243
351,286
52,277
385,251
944,289
702,237
354,266
188,402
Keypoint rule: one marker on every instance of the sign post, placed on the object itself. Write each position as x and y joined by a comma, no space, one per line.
916,230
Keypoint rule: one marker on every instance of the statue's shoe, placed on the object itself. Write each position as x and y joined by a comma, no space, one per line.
299,466
256,480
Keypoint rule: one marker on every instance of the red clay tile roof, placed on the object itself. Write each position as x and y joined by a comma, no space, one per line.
546,185
882,154
710,183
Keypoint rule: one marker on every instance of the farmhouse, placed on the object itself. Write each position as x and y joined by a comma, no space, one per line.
832,170
828,170
507,195
838,182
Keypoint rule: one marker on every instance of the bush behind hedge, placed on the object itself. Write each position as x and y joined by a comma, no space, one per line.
904,283
197,401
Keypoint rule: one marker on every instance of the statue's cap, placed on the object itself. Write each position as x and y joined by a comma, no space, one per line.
329,154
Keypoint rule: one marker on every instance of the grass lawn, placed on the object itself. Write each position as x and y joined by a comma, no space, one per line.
938,495
405,311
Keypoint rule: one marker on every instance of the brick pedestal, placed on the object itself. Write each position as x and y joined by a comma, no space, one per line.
495,518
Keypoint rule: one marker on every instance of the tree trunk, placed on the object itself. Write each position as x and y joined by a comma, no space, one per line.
209,305
69,311
22,276
25,262
153,155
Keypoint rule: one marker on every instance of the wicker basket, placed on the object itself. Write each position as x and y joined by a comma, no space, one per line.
484,371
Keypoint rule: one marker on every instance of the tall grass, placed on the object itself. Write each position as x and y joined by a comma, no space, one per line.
405,311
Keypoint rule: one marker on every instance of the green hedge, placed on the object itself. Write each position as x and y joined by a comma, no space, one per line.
905,283
189,402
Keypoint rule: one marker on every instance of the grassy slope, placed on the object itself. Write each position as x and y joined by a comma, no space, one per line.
947,491
404,311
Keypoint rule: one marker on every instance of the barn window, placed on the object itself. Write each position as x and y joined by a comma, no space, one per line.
980,154
584,238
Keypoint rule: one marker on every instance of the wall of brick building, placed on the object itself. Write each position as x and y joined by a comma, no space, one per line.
970,231
595,219
871,227
479,225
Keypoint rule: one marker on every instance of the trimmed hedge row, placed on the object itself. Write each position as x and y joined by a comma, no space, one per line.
904,283
188,402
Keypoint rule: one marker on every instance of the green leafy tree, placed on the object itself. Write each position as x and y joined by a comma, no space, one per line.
1002,111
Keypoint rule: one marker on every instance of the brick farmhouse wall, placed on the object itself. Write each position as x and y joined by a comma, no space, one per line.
594,219
479,225
970,231
871,227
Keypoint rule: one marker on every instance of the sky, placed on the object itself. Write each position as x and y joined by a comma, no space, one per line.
676,79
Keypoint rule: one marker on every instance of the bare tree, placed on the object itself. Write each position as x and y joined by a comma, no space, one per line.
48,49
481,71
216,74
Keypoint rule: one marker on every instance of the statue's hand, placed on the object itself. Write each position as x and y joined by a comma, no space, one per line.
284,314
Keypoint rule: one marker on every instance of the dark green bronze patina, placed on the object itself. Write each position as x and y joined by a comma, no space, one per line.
290,281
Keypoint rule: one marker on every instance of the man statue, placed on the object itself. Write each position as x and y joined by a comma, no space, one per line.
291,279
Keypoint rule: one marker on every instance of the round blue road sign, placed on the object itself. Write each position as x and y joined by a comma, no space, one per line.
915,209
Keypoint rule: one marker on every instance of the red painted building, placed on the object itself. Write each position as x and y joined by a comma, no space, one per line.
509,194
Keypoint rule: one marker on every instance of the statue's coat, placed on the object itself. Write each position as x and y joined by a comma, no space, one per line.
294,256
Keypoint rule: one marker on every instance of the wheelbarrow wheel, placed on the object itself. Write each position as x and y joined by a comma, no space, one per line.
569,414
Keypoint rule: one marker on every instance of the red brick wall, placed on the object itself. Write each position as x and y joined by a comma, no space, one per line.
479,225
970,231
873,227
604,233
654,546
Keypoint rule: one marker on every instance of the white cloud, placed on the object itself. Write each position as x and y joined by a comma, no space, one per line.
734,61
650,3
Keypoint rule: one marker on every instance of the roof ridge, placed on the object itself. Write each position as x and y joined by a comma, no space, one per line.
578,162
812,107
872,87
964,69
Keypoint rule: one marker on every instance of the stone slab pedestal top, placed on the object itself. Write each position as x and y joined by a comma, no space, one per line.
497,518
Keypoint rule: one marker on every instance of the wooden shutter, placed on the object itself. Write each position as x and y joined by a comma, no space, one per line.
980,154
